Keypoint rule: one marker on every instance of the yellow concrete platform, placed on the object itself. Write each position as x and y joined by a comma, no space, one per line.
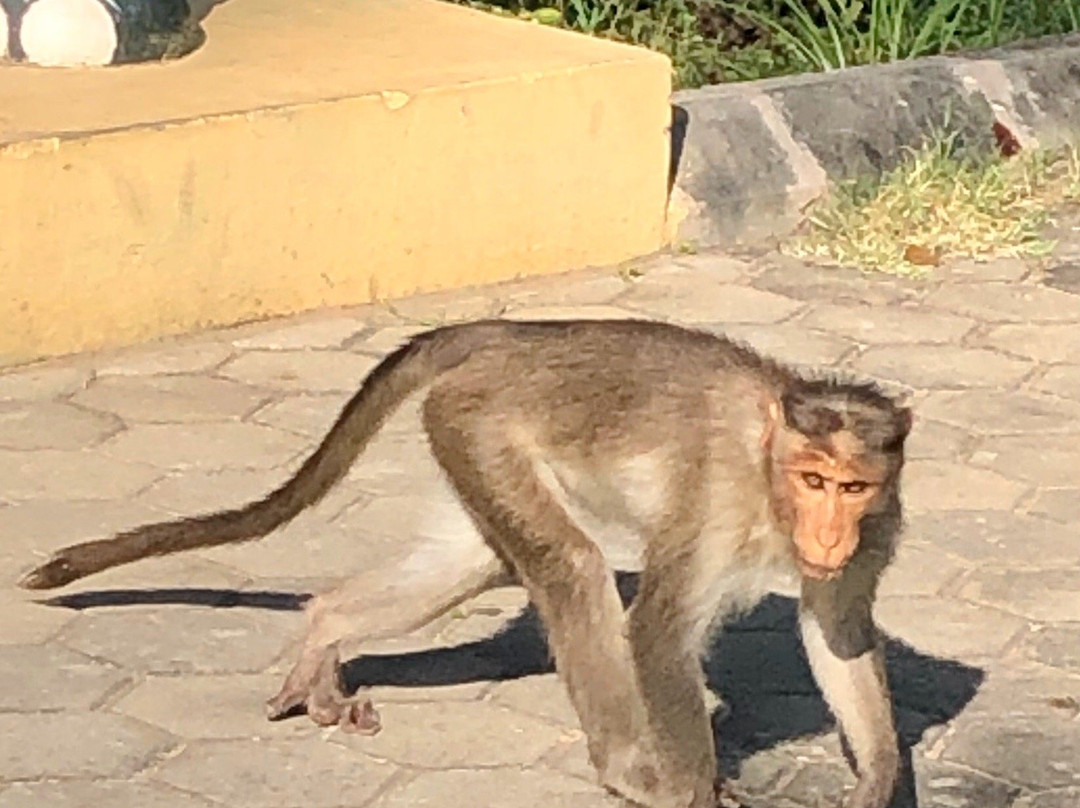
319,153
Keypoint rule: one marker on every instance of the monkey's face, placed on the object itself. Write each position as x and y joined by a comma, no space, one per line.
832,461
824,497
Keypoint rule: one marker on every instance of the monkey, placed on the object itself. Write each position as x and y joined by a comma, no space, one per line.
727,468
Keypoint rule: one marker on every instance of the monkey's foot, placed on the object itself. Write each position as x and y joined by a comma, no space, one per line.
322,696
286,703
361,718
635,776
327,709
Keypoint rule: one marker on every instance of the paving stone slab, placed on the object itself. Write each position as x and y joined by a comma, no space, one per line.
1050,461
387,339
935,485
764,773
185,355
711,266
23,622
444,307
497,788
98,794
1036,754
301,371
181,638
311,548
825,782
542,696
1061,505
49,677
450,735
1049,595
303,414
918,570
994,536
307,332
28,426
787,342
1065,276
998,412
686,299
1058,646
155,578
528,313
185,492
1007,302
887,325
43,382
34,529
165,399
64,745
958,630
1062,380
571,757
933,440
212,707
582,288
822,285
305,772
1016,689
206,446
1045,342
60,476
1060,798
974,270
941,367
941,785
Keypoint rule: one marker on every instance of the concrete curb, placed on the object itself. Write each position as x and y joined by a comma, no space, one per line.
747,158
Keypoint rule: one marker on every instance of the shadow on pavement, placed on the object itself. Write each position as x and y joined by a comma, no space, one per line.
756,664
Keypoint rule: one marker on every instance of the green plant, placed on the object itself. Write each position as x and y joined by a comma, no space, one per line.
942,201
711,41
832,34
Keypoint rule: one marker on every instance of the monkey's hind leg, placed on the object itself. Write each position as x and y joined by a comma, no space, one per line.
573,589
376,605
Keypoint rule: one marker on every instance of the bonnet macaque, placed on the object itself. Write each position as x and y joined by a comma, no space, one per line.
726,467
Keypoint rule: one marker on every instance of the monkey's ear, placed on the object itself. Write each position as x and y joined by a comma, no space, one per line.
905,420
774,418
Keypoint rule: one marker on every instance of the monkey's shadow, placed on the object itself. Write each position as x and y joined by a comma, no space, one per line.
756,664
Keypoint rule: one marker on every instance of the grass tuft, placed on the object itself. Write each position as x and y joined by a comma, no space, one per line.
941,203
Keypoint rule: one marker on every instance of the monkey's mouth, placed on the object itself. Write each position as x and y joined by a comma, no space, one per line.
816,571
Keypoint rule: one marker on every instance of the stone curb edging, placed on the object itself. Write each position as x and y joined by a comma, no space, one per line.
747,158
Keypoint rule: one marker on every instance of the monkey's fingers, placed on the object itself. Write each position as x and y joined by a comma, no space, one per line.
725,796
361,718
285,704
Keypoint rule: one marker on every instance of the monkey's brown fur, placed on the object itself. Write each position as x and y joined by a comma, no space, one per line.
727,467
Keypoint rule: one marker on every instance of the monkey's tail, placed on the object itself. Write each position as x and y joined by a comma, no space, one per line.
406,370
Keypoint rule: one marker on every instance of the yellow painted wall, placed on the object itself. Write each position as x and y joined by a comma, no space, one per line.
285,180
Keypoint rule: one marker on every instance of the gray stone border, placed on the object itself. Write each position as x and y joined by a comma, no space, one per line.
747,158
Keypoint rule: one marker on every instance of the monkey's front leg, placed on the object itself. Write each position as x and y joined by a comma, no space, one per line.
668,662
848,662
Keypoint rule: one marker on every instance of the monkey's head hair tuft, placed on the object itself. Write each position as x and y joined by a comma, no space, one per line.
55,572
823,406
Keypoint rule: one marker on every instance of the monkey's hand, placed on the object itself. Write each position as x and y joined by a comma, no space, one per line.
875,788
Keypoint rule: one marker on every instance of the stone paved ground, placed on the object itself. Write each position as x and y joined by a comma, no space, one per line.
144,686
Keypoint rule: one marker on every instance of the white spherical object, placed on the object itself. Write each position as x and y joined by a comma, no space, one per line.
67,33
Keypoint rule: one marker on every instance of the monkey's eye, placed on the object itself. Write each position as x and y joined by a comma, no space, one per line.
813,480
854,487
